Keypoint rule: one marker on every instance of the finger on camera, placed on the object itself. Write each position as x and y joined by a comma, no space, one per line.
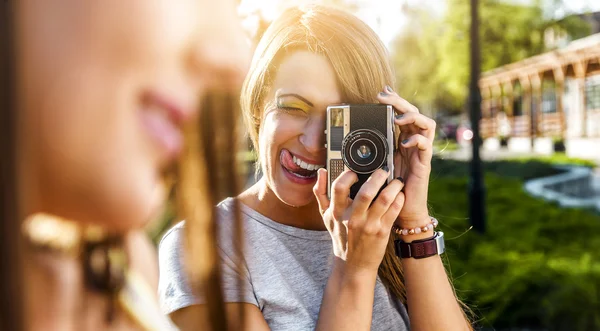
399,103
385,199
320,190
368,191
419,120
393,211
340,190
419,141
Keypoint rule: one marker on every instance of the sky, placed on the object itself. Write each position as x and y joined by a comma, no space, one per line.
385,16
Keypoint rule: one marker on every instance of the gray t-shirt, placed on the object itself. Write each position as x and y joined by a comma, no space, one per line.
285,270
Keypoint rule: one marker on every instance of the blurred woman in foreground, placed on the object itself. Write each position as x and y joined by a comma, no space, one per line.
105,93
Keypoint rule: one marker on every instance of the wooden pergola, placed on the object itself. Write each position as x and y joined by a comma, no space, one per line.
527,82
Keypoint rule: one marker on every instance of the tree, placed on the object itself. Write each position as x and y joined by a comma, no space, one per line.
439,46
416,58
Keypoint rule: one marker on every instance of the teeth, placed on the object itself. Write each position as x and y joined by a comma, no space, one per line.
304,165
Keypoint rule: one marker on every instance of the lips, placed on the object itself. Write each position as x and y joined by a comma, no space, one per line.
163,117
287,161
163,131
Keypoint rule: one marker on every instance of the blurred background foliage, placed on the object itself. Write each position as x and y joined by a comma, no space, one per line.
431,57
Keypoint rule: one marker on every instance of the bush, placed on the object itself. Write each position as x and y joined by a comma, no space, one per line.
521,169
537,264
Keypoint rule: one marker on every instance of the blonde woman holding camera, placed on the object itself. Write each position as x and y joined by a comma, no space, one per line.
310,262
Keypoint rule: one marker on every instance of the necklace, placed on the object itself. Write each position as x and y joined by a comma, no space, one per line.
105,267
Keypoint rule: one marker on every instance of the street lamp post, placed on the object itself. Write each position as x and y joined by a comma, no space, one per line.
476,184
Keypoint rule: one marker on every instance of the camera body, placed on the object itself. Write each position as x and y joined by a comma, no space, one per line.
360,138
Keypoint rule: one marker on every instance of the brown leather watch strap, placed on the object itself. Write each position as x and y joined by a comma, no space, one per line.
420,249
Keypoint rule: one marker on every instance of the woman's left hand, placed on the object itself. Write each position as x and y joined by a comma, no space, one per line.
412,158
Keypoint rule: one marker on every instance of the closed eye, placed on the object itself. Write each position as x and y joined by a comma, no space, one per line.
292,110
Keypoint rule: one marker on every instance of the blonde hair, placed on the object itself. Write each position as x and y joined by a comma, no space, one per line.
359,59
207,174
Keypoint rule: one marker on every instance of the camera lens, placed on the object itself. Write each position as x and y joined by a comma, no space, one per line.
360,152
364,151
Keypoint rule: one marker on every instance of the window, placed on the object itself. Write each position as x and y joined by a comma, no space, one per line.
592,93
517,106
548,96
548,101
517,100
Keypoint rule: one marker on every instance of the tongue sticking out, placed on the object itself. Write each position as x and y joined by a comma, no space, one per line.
287,162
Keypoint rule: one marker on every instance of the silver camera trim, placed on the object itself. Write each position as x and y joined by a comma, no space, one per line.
337,155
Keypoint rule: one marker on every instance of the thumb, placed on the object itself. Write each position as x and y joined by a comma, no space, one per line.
320,190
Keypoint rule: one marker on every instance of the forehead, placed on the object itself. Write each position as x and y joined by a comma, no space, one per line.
309,75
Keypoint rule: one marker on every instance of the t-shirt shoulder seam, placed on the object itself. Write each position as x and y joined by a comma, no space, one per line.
176,228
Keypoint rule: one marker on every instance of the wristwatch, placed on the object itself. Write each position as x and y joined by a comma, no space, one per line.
422,248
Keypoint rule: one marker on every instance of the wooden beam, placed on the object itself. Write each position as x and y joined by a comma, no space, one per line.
559,89
526,96
536,80
559,74
536,100
510,98
485,100
580,68
496,103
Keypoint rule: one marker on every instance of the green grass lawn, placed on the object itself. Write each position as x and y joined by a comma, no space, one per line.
537,266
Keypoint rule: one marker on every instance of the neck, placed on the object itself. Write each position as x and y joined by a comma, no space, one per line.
261,198
55,281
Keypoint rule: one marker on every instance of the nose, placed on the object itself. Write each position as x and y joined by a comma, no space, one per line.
313,137
221,54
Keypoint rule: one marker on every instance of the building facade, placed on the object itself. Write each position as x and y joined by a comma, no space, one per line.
546,103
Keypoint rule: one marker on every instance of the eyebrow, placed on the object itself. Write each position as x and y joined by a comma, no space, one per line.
297,97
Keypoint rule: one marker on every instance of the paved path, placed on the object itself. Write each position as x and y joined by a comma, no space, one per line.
464,154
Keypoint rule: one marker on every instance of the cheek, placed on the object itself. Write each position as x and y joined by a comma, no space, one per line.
108,165
278,131
90,150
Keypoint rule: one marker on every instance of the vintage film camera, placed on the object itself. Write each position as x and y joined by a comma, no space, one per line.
360,137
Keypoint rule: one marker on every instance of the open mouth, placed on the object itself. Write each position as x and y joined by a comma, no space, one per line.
297,167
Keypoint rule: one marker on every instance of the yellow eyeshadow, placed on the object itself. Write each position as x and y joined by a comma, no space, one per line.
292,104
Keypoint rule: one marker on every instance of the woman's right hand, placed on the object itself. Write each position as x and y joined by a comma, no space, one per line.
359,228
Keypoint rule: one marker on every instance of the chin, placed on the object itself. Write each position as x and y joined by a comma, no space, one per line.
132,214
133,206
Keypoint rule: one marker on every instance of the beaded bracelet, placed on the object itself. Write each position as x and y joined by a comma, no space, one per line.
404,232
